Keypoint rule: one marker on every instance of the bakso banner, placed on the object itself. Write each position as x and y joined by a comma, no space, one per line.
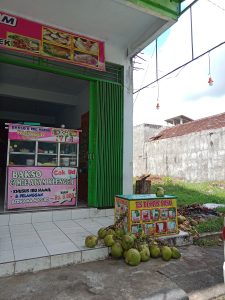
41,186
33,38
43,134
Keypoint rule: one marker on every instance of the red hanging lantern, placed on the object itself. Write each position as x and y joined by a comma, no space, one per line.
157,105
210,81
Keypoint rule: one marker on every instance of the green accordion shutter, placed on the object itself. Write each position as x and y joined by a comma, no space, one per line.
105,144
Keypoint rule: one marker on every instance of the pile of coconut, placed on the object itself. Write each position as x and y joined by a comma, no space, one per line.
132,248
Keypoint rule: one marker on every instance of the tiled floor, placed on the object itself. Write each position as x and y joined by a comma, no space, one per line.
41,245
36,241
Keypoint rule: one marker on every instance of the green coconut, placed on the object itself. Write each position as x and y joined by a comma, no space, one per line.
127,242
119,232
125,253
132,235
160,191
102,233
175,252
133,257
144,252
166,253
110,231
91,241
154,251
109,240
117,250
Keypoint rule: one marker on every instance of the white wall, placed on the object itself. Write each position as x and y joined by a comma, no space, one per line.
142,134
128,129
114,54
198,156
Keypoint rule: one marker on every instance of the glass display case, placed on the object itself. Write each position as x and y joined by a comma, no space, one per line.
21,153
42,164
47,154
36,153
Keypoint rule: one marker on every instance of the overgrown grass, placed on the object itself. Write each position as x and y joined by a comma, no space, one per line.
214,224
221,210
189,193
208,242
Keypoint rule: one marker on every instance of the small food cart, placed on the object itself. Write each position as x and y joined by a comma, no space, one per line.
42,166
155,216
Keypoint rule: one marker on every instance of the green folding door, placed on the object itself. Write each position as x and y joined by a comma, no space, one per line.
105,177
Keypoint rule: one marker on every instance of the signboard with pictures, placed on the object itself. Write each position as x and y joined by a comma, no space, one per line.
26,36
147,213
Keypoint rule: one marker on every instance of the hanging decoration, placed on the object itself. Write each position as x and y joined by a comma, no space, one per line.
157,75
210,81
157,102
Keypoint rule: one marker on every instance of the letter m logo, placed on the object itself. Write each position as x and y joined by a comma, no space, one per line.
8,20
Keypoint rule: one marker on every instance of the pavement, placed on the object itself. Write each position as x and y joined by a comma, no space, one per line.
198,275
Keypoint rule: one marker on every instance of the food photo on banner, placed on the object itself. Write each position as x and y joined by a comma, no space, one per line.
20,34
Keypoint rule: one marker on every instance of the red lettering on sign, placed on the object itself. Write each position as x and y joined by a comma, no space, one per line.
71,172
138,205
166,202
59,172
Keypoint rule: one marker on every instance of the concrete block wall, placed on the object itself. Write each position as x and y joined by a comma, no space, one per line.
199,156
141,135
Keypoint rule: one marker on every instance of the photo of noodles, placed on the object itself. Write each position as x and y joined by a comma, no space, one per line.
56,51
85,58
24,43
86,45
55,36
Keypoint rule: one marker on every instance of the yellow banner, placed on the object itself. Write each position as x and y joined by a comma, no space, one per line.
153,217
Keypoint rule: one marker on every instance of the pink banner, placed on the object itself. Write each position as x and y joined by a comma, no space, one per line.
30,37
45,134
41,186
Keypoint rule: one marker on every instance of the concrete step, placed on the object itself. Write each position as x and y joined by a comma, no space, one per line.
13,218
32,247
52,261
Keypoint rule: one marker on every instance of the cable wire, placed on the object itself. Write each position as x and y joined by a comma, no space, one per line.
146,70
178,68
215,4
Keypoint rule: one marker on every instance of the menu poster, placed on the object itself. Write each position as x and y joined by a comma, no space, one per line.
40,186
44,134
30,37
153,217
